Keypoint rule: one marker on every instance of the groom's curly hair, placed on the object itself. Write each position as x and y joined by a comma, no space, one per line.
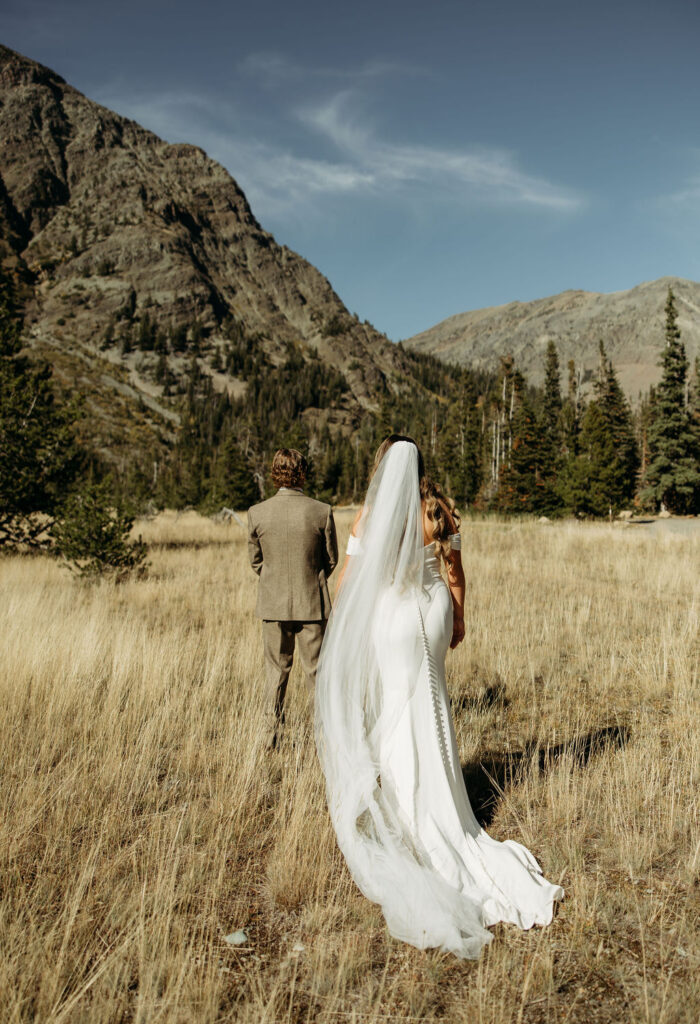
289,468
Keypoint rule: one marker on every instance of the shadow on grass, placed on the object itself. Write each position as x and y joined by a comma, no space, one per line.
495,770
489,697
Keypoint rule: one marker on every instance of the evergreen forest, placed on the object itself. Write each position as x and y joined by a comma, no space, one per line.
492,440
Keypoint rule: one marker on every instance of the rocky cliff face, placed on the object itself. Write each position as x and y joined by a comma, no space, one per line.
106,223
630,323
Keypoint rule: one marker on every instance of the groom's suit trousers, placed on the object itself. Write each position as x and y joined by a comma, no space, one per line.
278,640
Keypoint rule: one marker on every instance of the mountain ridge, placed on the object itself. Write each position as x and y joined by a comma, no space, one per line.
628,321
106,226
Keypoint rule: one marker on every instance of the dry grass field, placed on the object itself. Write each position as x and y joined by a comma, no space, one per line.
142,821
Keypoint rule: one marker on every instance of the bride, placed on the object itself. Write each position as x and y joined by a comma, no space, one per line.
384,731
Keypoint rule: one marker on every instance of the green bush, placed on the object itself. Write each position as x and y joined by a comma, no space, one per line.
92,535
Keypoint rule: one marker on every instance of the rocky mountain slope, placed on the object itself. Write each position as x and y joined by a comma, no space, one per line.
631,324
110,228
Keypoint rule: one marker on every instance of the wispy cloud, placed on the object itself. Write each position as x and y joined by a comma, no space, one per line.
276,180
332,148
472,173
685,198
176,115
279,182
273,70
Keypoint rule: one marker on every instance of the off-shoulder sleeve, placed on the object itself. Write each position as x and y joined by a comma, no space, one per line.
354,546
456,541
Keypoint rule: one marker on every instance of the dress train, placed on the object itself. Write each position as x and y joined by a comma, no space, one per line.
419,767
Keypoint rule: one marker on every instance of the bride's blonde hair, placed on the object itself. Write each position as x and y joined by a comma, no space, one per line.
439,508
442,513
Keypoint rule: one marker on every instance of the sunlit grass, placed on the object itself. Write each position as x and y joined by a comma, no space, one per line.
142,821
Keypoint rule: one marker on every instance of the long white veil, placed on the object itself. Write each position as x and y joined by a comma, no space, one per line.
354,716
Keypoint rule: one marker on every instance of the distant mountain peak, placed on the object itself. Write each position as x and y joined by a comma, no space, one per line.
629,322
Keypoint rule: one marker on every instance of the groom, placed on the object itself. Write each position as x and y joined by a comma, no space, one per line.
293,548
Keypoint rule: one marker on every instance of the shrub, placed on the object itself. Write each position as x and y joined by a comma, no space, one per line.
92,535
334,326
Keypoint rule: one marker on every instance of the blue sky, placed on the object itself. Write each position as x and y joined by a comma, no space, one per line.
428,158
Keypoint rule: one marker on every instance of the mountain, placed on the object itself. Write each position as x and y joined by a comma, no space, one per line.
136,256
631,324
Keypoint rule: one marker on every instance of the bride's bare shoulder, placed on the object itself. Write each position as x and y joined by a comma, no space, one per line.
356,521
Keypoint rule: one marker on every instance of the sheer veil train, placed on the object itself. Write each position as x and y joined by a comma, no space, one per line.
387,746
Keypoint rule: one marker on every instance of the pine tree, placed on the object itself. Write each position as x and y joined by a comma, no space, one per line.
599,473
550,430
519,489
673,471
334,464
147,333
590,481
233,484
460,448
618,419
498,427
694,401
471,446
552,403
572,411
644,418
163,375
178,338
92,534
448,466
39,458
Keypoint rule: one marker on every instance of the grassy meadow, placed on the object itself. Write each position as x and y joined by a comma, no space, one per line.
141,820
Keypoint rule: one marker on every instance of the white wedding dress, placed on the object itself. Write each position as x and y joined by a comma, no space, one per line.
387,744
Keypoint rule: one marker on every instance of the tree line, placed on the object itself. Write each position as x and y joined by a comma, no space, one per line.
495,441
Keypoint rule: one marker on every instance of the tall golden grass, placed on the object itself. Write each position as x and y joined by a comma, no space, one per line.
143,821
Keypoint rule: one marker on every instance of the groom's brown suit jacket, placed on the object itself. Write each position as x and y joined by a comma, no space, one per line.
292,546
